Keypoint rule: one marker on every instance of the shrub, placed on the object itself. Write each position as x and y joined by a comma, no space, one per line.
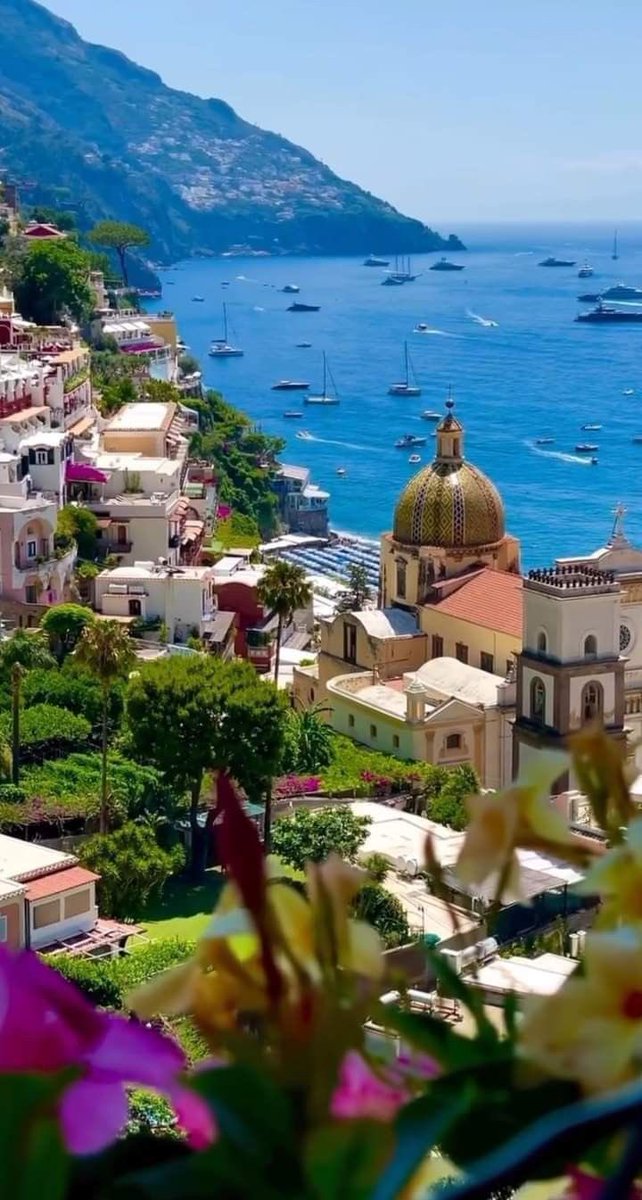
108,981
73,689
10,794
377,866
133,868
309,836
385,912
47,730
295,785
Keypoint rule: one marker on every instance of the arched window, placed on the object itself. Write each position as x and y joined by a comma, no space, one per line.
453,741
542,642
538,702
592,702
590,646
401,579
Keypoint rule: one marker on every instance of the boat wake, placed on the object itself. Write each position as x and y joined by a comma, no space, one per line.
571,458
485,321
311,437
435,333
257,308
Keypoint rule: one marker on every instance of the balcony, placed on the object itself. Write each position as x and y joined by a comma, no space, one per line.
42,563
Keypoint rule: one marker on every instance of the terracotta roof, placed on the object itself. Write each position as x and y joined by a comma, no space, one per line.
489,598
59,881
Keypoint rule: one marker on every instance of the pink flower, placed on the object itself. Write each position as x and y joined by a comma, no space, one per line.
582,1186
362,1094
46,1025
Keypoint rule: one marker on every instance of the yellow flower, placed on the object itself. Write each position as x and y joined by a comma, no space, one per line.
617,877
311,940
520,816
591,1030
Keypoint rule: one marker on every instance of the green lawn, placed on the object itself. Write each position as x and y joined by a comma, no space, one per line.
184,908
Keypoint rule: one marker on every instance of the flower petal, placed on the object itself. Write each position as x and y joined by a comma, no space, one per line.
171,992
194,1116
92,1115
362,1095
133,1054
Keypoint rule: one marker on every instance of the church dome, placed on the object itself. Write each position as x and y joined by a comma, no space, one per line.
449,503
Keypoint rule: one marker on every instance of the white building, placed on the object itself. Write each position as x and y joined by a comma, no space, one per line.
183,598
32,571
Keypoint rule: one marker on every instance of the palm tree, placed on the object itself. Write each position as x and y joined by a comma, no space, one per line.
105,649
283,589
314,738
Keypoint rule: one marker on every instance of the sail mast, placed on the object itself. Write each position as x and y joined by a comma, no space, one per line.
225,322
405,352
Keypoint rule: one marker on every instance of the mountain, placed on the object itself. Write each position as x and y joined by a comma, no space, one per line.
85,122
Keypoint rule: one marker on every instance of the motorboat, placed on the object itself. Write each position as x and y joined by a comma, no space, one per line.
342,470
290,385
303,345
444,264
421,327
373,261
405,388
585,271
622,291
602,314
220,347
594,462
291,415
629,392
409,439
551,261
326,396
429,415
304,435
414,458
298,306
637,440
547,441
586,448
591,428
589,298
198,299
291,288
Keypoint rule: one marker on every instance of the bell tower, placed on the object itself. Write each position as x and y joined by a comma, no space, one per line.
569,672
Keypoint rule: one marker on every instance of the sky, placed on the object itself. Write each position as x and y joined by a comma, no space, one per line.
462,110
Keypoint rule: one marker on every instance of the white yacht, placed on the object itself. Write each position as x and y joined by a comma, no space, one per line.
326,397
405,388
220,347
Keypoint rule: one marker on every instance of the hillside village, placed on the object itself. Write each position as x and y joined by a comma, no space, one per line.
153,574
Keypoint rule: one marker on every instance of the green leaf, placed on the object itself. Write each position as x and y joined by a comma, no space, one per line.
419,1128
455,985
563,1135
34,1161
346,1159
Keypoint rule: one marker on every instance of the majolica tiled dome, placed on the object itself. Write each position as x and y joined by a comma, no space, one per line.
449,503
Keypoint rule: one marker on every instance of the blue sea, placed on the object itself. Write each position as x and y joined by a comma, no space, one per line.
502,334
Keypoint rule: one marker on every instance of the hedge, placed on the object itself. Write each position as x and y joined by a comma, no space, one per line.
107,981
46,729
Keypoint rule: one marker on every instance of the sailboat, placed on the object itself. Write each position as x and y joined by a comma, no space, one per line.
615,254
220,347
325,397
406,388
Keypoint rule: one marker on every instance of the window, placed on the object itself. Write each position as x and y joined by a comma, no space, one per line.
31,595
135,608
122,535
437,646
401,579
487,662
373,731
3,929
350,643
455,447
542,642
46,914
592,702
453,741
538,702
41,458
76,904
625,638
395,741
510,663
32,549
350,721
311,695
590,646
461,652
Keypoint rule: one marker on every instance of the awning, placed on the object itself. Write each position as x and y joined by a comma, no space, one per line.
81,426
84,473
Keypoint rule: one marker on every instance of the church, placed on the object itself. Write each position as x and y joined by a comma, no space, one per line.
467,661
